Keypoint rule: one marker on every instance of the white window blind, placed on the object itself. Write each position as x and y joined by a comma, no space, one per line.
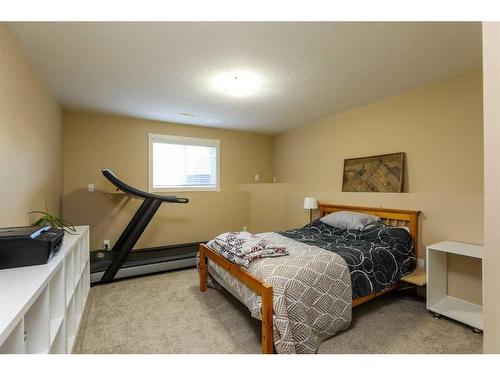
182,163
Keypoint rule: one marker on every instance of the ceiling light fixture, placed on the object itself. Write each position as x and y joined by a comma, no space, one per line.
238,84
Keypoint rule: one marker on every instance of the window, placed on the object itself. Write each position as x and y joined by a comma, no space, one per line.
183,164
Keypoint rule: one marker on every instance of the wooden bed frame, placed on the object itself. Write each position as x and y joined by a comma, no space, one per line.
391,217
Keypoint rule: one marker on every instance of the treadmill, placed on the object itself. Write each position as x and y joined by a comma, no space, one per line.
121,261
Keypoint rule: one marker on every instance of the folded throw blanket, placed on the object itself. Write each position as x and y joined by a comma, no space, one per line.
243,248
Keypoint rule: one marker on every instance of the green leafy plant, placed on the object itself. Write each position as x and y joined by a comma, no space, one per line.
47,218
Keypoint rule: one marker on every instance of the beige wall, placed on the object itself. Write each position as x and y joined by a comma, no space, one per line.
439,126
94,141
30,139
267,206
491,67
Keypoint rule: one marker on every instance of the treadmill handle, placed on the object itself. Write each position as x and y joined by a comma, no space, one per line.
120,185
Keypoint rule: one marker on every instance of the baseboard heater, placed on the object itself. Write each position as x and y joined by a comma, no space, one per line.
145,261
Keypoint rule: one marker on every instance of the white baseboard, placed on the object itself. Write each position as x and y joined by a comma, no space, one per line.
421,262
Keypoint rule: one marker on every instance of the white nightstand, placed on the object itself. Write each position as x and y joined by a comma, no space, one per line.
438,301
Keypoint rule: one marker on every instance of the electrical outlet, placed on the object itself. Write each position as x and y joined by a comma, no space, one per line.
245,229
91,188
107,244
257,178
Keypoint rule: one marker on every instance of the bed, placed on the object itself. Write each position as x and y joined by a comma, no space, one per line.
344,263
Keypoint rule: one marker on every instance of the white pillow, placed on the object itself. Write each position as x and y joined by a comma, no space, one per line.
349,219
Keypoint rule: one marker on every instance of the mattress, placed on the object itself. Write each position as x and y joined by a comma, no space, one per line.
377,257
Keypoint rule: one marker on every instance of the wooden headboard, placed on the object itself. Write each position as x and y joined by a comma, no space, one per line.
394,218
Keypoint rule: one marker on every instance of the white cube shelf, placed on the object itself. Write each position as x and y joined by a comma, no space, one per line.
56,303
438,300
58,346
71,324
69,272
37,325
14,343
42,305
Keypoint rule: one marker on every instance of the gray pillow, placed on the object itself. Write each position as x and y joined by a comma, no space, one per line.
349,219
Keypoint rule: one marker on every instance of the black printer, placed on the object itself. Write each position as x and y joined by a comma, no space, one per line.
28,246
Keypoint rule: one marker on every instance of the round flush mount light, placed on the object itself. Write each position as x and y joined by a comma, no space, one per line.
238,83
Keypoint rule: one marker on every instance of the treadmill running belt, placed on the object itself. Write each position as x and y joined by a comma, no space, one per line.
101,259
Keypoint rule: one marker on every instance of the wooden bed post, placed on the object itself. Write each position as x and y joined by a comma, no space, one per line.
259,287
203,269
267,320
413,223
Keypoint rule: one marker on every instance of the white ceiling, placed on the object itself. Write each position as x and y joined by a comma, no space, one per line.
310,70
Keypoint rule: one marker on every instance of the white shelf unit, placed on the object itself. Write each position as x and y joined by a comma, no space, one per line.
41,306
438,300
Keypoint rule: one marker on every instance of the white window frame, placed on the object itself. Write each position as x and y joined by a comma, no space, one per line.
182,141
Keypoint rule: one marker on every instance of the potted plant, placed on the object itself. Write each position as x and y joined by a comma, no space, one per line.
47,218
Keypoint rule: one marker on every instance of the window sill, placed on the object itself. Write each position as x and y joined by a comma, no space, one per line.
184,189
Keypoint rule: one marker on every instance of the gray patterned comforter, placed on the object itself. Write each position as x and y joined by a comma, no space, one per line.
312,294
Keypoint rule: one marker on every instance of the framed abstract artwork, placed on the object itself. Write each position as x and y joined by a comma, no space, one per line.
381,173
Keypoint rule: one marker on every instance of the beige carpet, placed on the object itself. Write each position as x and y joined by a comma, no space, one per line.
166,313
